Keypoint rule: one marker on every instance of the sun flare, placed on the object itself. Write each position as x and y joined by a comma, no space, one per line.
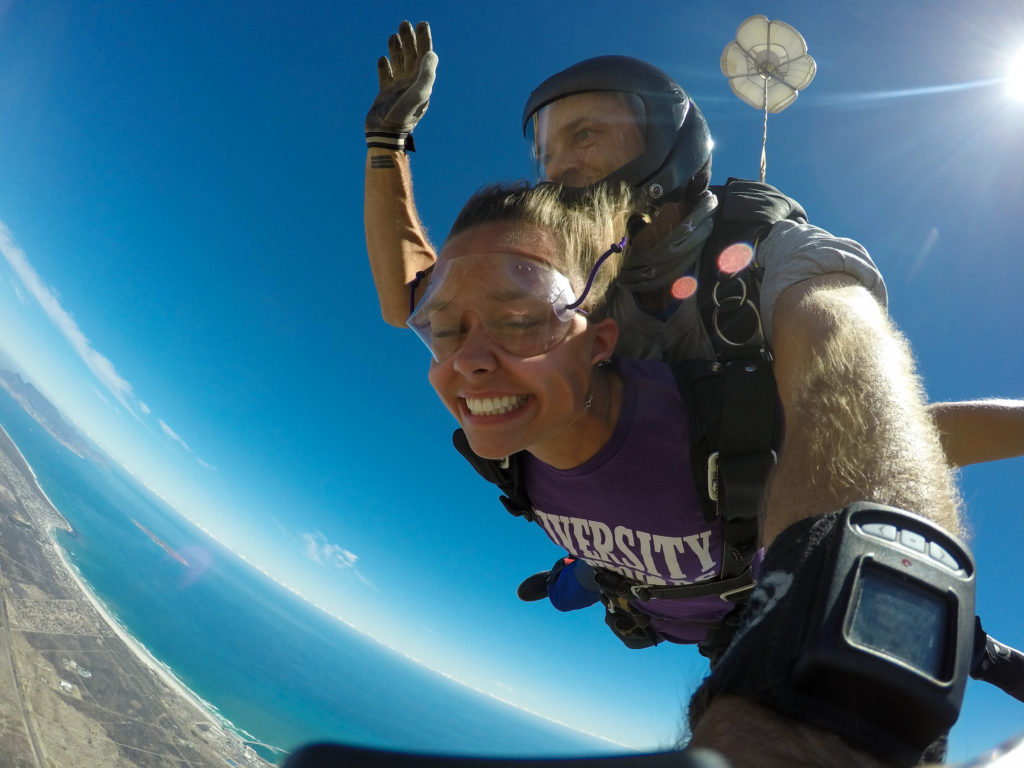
1015,77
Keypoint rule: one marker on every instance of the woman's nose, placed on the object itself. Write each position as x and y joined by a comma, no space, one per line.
475,353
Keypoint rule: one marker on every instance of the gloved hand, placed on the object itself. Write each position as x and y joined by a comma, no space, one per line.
570,585
406,77
535,587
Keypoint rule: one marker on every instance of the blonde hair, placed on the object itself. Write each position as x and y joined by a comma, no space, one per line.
586,223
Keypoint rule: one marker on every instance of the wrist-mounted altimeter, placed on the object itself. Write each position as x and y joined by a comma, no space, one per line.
862,624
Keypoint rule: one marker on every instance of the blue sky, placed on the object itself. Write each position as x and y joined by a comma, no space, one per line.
185,277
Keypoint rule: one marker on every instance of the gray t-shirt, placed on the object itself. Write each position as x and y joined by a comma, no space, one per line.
790,253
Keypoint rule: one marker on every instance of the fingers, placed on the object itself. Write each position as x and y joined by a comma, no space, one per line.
384,73
410,57
405,48
395,53
423,40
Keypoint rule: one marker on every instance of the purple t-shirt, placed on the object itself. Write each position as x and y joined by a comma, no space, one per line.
633,508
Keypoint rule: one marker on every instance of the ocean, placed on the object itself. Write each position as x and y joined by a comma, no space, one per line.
278,670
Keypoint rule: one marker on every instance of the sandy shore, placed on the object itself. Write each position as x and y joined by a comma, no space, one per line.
89,694
203,708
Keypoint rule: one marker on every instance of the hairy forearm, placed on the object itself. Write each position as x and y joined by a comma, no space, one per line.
752,736
856,423
980,430
857,428
396,241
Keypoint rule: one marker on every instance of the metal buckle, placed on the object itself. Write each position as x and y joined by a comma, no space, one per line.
740,302
727,595
641,591
713,476
713,473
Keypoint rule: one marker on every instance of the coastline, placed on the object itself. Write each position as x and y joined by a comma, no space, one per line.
141,652
52,599
165,673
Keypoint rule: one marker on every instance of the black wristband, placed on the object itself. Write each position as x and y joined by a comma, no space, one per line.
398,142
763,624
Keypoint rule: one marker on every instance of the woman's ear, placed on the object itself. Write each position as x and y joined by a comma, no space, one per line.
605,335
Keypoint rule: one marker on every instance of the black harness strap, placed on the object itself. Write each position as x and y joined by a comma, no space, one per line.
731,447
748,434
616,585
746,456
507,475
732,590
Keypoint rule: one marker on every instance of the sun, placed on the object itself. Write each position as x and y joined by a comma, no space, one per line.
1015,77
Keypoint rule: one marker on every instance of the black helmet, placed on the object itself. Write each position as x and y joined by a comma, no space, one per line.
677,141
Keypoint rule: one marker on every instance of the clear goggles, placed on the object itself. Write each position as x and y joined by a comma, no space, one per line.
524,305
593,129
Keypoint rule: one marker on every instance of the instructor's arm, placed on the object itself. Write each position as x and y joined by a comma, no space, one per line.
395,239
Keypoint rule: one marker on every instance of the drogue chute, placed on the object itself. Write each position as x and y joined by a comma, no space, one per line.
767,66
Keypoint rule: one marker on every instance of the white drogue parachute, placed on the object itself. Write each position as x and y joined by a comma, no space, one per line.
767,66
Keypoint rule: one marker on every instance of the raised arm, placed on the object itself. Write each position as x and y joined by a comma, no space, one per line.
395,239
980,430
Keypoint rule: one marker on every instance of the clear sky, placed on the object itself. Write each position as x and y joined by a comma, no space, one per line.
185,276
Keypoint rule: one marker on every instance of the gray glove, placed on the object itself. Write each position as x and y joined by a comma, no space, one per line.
405,83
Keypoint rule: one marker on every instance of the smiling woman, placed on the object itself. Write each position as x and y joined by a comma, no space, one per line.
505,317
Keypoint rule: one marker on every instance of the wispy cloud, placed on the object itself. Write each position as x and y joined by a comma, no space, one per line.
320,551
323,552
173,435
100,366
19,294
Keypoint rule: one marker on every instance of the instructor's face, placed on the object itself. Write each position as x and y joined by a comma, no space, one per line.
581,139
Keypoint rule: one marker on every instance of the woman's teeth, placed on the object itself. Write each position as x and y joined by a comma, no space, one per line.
494,406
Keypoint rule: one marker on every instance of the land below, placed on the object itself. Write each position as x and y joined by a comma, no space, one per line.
74,692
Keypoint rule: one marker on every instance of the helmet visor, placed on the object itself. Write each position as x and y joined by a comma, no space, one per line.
583,138
522,304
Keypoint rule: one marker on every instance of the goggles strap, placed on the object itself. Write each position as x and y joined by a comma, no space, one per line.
412,290
615,248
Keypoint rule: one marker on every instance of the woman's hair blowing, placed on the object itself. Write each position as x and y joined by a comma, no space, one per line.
584,222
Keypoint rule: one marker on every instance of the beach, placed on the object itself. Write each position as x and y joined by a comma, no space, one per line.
76,688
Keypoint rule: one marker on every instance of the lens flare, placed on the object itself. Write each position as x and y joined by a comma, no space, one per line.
684,287
735,258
